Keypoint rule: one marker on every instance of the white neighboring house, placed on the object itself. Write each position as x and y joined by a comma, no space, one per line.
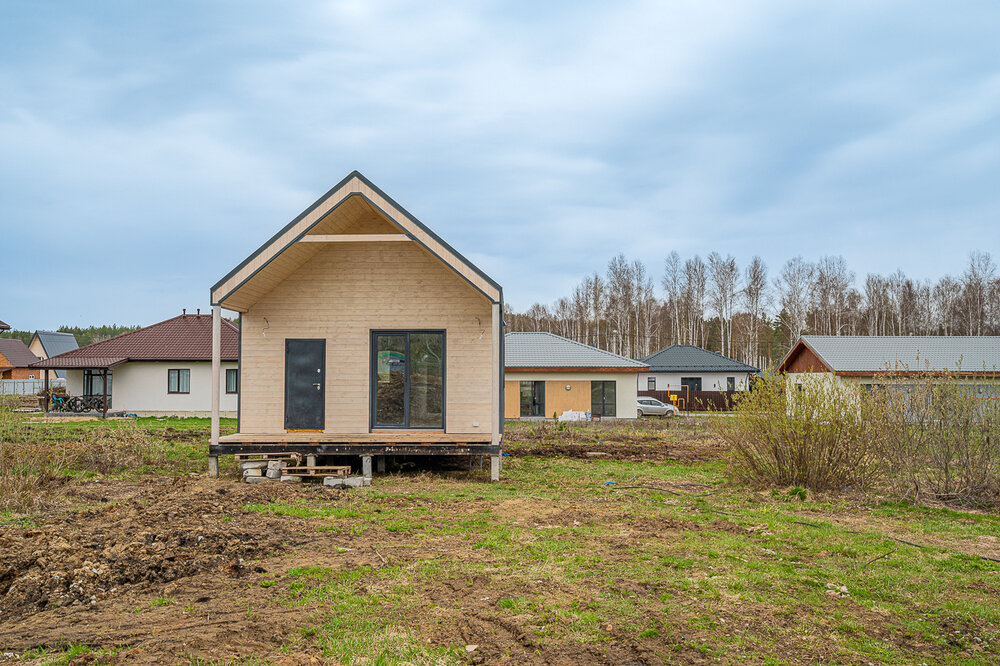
160,370
695,369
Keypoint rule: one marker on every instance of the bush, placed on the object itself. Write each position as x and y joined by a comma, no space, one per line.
935,437
819,438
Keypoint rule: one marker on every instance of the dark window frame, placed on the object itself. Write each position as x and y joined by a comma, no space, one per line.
236,382
690,380
650,383
730,383
537,402
373,378
89,374
604,403
178,371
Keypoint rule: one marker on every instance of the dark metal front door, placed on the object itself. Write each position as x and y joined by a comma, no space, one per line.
305,384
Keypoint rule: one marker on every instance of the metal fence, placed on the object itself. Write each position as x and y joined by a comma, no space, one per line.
695,401
28,386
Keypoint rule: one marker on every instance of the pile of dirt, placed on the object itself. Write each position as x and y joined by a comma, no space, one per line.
83,558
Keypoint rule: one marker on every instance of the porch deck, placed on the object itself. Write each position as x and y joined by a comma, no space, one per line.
385,442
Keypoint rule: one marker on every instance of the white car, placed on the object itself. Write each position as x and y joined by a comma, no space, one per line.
653,407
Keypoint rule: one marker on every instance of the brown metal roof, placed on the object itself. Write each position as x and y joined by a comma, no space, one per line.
4,326
16,353
184,338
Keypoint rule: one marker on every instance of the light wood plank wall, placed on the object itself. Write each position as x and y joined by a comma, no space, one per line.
342,293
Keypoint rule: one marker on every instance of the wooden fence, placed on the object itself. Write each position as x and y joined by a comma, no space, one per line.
695,401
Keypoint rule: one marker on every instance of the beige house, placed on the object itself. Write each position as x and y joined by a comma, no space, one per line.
547,375
160,370
363,333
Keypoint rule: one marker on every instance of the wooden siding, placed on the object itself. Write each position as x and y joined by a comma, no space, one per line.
343,292
559,400
335,215
804,359
511,399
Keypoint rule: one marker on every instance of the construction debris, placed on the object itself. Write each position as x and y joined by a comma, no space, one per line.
288,467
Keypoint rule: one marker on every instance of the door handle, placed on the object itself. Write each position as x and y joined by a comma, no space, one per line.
317,385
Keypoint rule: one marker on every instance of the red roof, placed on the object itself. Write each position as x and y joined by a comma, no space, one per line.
17,353
184,338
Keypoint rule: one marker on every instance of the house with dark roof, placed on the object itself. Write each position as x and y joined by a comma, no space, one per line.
16,360
363,333
4,326
45,344
160,370
861,359
690,368
547,375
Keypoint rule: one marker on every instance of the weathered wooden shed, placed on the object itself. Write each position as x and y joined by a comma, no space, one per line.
361,332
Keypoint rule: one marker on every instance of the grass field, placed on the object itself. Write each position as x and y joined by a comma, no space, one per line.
579,555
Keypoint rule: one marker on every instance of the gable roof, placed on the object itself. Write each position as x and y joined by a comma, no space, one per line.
352,198
912,353
688,358
4,326
16,353
183,338
55,342
547,350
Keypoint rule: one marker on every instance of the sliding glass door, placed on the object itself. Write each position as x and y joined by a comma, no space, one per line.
407,381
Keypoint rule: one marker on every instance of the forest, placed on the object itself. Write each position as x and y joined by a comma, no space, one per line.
749,314
84,335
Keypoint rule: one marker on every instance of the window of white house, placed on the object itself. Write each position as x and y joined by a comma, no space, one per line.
231,380
730,383
651,383
179,381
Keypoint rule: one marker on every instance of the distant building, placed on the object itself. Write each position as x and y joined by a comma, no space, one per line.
860,359
547,375
45,344
160,370
16,360
4,326
690,368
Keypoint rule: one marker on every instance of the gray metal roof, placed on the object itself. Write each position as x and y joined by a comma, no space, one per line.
55,343
688,358
916,353
547,350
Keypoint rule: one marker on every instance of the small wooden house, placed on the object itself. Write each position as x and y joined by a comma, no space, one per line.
361,332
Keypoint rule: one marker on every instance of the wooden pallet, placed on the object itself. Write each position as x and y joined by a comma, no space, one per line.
324,470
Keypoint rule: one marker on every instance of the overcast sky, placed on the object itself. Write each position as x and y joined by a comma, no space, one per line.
147,148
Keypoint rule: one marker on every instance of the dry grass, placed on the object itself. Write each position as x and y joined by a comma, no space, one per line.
29,461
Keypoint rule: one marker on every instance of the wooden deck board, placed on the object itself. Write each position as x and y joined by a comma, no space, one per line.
378,437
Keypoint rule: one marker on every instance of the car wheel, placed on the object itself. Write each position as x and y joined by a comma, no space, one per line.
639,413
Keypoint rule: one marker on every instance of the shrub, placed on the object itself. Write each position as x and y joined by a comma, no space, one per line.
818,438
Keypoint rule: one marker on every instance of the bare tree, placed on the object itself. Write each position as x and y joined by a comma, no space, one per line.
754,301
724,274
794,285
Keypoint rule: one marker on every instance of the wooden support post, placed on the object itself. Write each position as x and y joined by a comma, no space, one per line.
366,466
380,464
104,386
46,390
494,468
310,460
213,461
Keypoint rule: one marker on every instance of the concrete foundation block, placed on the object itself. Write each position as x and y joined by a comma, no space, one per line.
274,473
253,464
252,472
276,465
291,479
366,466
257,479
346,482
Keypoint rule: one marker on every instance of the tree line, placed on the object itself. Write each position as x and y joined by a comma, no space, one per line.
745,313
85,335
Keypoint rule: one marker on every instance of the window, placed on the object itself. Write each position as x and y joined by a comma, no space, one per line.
602,398
691,383
730,383
93,383
651,383
408,388
232,376
532,398
178,381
